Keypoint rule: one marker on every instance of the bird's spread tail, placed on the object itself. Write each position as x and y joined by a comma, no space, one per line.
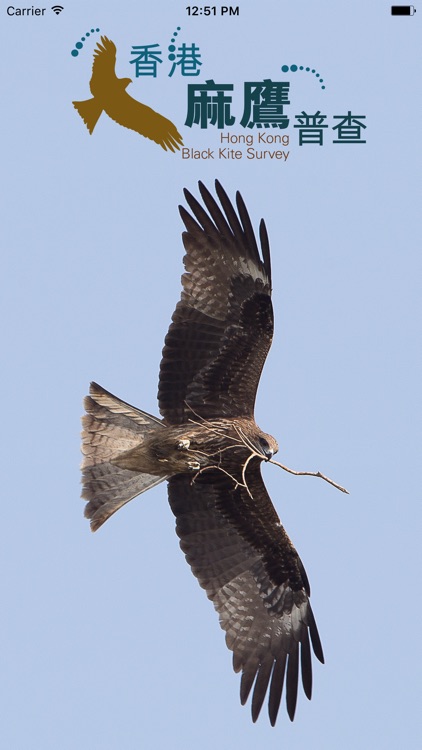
111,427
90,111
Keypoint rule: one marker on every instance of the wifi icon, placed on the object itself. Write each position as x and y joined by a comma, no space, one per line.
57,9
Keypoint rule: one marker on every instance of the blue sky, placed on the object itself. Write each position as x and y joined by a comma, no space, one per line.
108,641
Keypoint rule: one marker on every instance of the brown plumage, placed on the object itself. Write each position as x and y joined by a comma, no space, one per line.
109,95
209,448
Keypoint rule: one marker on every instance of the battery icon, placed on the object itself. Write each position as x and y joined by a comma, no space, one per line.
403,10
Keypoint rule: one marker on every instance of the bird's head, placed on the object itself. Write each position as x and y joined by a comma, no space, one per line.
266,445
124,82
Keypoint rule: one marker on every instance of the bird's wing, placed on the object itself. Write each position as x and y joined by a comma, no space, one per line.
222,327
103,67
243,558
130,113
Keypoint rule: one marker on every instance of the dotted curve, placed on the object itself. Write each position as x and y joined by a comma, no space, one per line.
79,45
295,68
172,46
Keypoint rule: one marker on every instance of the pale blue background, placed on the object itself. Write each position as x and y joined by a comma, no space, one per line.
107,641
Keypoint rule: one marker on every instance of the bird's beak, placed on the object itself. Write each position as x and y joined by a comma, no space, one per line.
266,452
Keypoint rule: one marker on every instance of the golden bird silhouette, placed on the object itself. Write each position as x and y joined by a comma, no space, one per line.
109,95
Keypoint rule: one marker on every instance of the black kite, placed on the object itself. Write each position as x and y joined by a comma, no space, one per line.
109,94
209,448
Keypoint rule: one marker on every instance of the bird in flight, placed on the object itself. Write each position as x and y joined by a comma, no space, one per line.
109,95
209,448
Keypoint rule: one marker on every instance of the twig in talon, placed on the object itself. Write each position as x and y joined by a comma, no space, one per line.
311,474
